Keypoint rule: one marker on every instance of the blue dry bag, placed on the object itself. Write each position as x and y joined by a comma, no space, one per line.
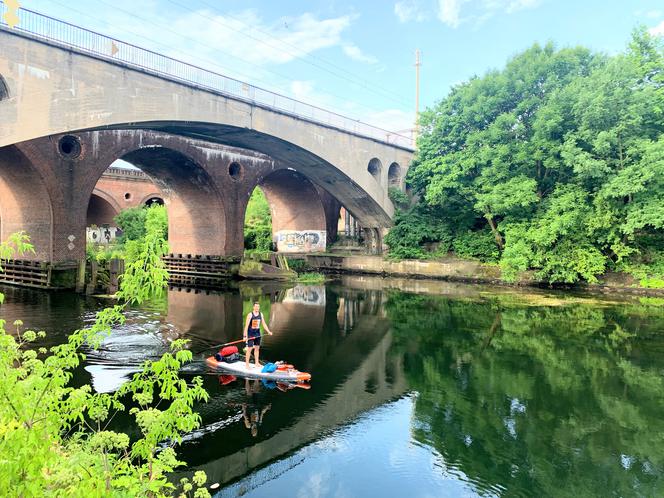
269,368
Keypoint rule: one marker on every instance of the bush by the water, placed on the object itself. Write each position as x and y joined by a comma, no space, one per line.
554,163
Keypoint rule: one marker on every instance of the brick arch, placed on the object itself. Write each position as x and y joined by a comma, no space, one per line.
101,209
153,195
295,203
196,217
25,203
108,198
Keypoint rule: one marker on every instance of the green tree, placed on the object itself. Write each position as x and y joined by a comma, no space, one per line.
559,157
132,221
258,223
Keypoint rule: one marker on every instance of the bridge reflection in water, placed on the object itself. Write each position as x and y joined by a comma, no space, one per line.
340,336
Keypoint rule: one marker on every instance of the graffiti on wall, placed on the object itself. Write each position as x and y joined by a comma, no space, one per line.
301,241
102,235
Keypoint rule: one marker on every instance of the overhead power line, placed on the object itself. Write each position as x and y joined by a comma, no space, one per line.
371,87
194,56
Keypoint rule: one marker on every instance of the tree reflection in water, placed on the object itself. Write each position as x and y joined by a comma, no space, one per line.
560,400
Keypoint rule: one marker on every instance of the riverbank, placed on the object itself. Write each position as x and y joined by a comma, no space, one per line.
460,270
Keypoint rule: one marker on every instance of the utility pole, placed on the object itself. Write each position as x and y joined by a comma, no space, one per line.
418,63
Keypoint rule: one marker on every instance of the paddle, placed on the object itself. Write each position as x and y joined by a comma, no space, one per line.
221,345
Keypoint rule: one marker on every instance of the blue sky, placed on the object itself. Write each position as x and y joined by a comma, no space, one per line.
356,57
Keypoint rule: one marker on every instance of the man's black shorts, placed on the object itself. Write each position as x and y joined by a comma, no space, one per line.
254,341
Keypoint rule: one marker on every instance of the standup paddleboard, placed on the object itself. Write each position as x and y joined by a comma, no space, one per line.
239,368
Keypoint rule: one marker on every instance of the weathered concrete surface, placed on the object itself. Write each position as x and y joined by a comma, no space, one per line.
53,90
450,268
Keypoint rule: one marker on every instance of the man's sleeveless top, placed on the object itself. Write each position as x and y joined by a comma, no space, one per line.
254,329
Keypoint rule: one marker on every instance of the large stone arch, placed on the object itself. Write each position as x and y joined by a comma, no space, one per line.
299,222
25,204
332,156
196,221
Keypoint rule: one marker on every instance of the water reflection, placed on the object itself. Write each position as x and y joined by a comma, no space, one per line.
537,400
351,371
254,408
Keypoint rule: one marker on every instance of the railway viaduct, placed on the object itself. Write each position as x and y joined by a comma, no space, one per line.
73,101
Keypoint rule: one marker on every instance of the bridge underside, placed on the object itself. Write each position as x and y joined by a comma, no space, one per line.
49,188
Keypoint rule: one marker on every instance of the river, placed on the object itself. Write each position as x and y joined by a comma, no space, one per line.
419,389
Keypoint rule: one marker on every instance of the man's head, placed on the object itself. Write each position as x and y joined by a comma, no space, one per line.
257,307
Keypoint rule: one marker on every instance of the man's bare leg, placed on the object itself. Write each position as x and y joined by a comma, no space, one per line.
256,353
246,357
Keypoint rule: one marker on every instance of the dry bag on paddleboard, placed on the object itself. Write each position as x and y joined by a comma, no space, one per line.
228,354
269,368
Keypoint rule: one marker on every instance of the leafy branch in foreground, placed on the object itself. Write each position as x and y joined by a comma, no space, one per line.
55,438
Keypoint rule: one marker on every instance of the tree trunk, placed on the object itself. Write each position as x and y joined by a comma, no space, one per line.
496,234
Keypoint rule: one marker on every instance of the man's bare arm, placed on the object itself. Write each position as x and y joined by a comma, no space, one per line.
267,329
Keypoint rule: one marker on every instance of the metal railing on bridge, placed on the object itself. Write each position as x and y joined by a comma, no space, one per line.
85,41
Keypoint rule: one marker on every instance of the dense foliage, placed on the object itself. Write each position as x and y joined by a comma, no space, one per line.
134,225
54,436
555,163
258,223
132,221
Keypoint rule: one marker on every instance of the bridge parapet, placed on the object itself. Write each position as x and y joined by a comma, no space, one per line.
72,37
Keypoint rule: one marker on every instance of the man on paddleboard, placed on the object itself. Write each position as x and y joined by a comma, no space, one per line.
252,334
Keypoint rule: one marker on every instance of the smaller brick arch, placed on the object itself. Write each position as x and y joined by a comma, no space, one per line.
25,203
102,209
374,168
394,175
149,197
108,198
4,89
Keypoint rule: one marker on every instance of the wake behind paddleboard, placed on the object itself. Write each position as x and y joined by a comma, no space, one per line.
240,368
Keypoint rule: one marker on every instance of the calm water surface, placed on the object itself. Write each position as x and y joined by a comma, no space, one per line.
420,389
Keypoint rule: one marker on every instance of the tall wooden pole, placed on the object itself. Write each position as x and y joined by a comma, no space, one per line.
418,63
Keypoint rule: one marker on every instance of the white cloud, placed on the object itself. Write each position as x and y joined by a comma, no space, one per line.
657,30
409,10
248,36
455,12
649,14
449,12
354,52
304,91
394,120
